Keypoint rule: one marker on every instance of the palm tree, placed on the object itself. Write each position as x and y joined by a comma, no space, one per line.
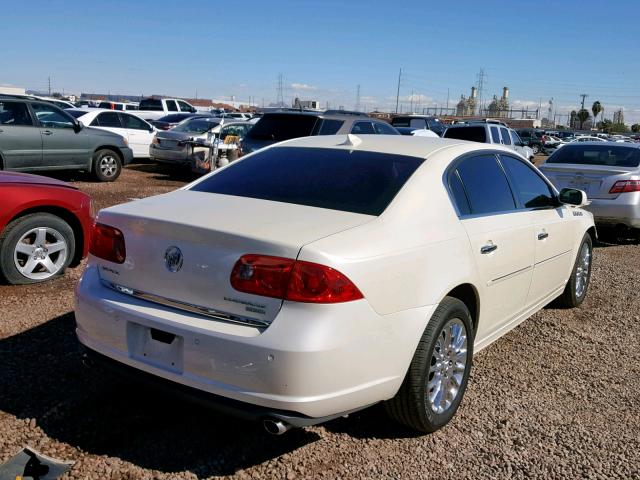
596,108
583,115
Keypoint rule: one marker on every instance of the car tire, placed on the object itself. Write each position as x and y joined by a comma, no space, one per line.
418,404
535,148
26,246
576,290
106,165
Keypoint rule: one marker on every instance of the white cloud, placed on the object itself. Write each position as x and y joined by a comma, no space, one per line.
304,87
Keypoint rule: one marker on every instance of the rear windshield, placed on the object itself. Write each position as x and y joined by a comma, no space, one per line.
609,155
174,117
351,181
151,104
283,126
409,122
473,134
196,125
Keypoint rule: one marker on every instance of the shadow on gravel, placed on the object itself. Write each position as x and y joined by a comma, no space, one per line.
371,423
165,172
43,378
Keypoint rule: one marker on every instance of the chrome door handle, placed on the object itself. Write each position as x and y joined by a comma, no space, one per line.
543,235
47,132
488,248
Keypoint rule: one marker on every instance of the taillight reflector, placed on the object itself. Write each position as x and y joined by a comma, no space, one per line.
293,280
107,243
625,186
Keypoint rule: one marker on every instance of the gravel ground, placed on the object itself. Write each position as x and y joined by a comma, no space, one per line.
555,398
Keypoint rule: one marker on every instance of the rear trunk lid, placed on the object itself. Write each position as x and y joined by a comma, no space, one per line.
595,180
211,231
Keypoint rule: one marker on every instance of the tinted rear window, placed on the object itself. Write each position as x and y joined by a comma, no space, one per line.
609,155
359,182
151,104
473,134
409,122
174,117
330,127
281,127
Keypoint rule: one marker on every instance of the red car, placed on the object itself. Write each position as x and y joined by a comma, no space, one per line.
45,225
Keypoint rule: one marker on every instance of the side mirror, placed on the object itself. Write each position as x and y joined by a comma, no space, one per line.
77,126
571,196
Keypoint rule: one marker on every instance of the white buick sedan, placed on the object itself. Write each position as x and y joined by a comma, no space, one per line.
322,275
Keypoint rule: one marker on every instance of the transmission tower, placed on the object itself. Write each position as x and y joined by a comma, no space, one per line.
550,112
280,91
358,99
480,90
583,95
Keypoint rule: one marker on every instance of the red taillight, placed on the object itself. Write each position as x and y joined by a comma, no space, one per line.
625,186
107,243
293,280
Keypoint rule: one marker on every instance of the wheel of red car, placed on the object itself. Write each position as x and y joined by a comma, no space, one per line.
35,248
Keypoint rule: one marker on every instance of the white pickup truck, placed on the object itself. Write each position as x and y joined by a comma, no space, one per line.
154,108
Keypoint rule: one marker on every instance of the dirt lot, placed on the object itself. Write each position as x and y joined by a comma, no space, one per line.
558,397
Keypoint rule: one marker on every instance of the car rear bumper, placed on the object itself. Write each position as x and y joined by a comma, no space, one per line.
314,361
623,210
165,155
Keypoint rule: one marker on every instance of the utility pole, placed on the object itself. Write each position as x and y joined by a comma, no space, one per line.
583,95
49,80
280,88
411,102
447,103
398,91
358,99
480,89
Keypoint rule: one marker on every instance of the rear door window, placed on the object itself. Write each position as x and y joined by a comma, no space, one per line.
184,107
362,128
495,135
351,181
107,119
133,122
15,114
171,106
330,127
486,185
384,129
151,104
506,139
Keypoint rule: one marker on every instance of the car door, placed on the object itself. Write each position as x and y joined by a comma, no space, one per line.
62,144
20,139
110,121
500,235
553,228
140,134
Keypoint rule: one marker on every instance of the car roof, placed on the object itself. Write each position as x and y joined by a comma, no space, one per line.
421,147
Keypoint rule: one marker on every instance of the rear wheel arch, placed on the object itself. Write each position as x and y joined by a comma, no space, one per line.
468,295
70,218
593,234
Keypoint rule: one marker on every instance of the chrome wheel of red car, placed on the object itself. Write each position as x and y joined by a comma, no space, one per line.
40,253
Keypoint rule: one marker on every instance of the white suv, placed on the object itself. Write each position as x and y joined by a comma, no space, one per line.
492,132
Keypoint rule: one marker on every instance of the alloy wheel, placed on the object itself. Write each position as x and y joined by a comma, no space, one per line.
108,165
40,253
448,366
582,270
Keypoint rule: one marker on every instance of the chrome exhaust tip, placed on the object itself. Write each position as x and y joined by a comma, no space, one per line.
275,427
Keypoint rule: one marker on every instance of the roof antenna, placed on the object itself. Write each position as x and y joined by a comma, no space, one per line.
352,140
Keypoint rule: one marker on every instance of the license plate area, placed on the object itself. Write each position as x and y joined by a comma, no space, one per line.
155,347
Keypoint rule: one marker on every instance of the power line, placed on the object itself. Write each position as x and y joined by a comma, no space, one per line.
358,99
280,90
398,91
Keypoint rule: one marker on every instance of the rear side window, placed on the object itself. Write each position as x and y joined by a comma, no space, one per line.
486,185
171,106
531,189
363,128
609,155
459,195
106,105
107,119
133,122
472,134
281,127
495,135
184,107
151,104
506,139
15,113
330,127
351,181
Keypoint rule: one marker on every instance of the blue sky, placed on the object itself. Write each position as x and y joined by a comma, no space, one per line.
324,49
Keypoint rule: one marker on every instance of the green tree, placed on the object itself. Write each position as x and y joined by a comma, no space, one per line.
605,125
635,128
583,116
596,108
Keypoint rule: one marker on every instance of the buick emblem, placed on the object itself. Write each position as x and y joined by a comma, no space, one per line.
173,259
